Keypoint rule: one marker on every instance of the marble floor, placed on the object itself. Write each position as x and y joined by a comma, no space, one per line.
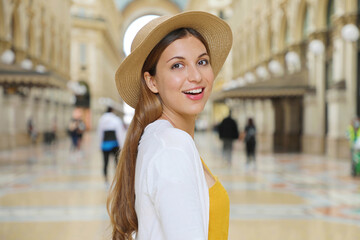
46,192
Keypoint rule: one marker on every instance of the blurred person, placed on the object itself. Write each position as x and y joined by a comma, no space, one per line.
50,134
168,78
81,127
250,143
31,131
353,134
73,129
228,132
111,135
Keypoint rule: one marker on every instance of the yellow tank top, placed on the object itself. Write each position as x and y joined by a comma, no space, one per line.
219,210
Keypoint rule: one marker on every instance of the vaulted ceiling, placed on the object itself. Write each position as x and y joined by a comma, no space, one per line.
121,4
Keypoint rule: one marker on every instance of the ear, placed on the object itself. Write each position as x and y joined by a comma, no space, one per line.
150,82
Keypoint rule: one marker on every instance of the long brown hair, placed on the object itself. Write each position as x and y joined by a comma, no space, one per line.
121,200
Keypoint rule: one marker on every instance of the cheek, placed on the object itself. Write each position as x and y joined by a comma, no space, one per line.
171,82
167,85
210,78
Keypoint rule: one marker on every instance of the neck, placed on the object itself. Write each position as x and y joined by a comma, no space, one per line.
185,123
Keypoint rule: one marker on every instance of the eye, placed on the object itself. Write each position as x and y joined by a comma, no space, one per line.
203,62
177,65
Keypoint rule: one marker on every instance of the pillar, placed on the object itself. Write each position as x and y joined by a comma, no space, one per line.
337,144
313,140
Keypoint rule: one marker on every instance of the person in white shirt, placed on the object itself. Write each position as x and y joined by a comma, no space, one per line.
161,187
111,135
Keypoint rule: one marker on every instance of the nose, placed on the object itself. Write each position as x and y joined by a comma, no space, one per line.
194,74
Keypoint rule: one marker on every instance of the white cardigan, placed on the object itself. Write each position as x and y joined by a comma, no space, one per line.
172,197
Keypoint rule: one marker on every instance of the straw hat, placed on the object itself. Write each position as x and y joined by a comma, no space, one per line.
215,31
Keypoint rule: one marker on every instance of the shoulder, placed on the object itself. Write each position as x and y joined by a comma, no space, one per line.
104,116
170,148
161,131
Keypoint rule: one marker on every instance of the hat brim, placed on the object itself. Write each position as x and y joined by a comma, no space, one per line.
215,31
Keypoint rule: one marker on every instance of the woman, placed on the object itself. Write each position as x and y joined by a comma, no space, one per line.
162,189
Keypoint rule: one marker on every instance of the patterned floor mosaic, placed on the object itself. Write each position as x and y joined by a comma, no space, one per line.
48,192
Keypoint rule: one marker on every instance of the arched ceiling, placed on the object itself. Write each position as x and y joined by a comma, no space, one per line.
131,10
122,4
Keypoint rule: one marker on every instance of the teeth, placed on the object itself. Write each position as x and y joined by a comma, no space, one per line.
195,91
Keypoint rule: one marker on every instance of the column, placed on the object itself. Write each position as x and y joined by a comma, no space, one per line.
7,139
67,108
249,109
337,144
241,118
259,123
50,109
341,97
313,138
269,126
22,115
350,66
39,112
2,119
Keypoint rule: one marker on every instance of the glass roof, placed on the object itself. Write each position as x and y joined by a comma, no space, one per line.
121,4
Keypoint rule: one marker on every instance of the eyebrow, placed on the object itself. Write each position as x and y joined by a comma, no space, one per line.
179,57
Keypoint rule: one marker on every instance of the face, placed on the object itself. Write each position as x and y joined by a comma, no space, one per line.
184,77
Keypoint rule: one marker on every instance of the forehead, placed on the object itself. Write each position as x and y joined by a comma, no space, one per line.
189,45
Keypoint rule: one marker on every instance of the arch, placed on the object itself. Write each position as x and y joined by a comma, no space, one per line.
300,21
323,9
15,29
282,34
257,46
52,42
243,55
42,37
272,41
83,100
278,30
330,10
31,37
60,55
2,20
137,9
267,38
247,50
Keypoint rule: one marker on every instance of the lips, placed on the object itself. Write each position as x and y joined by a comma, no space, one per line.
194,91
195,94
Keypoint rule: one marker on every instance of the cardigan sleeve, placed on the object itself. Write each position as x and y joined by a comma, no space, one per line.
174,191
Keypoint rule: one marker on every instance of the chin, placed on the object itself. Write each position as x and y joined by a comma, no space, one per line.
195,110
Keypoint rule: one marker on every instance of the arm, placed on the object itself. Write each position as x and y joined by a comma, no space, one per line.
174,191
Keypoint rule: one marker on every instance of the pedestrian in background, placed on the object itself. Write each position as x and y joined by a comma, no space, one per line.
31,130
228,132
111,134
250,143
81,128
72,130
168,78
